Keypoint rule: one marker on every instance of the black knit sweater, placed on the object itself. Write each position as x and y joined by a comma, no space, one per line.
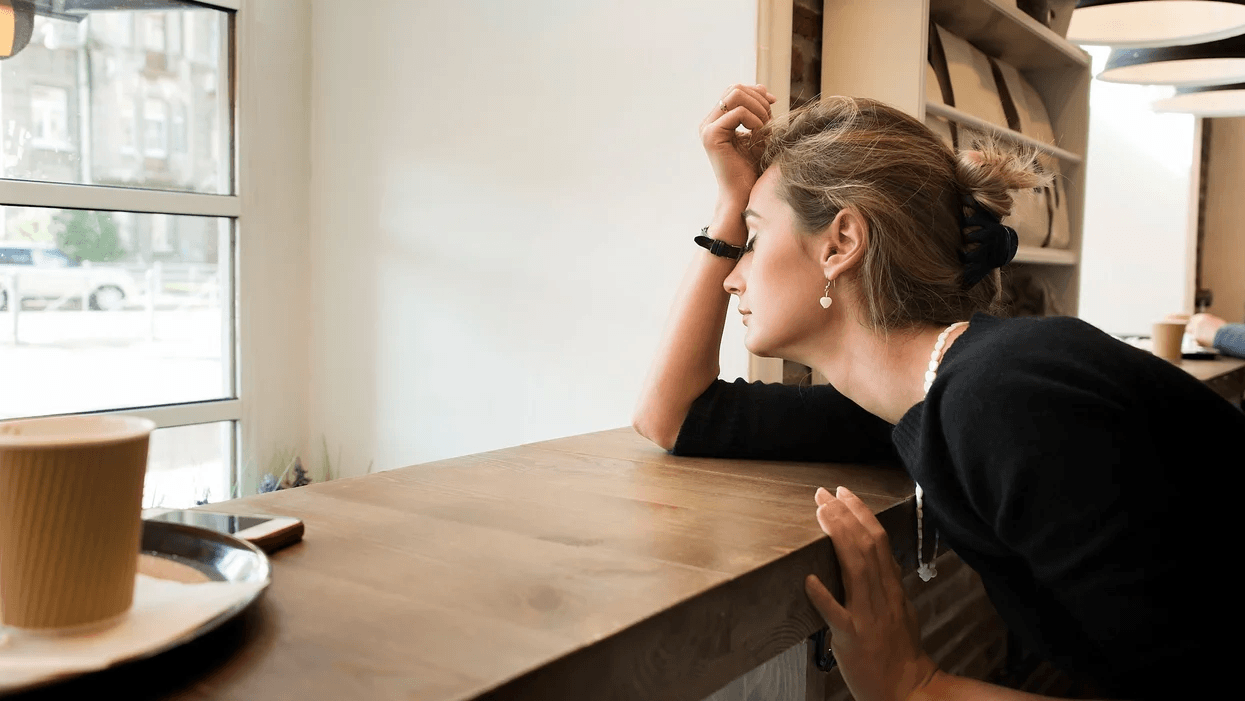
1086,481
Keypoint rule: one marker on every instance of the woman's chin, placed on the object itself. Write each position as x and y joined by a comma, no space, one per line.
755,347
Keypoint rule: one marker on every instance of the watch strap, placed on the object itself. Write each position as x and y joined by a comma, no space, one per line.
718,248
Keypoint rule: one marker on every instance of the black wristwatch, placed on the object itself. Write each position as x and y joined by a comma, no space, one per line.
718,248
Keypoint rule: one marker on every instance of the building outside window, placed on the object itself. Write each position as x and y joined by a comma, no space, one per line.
178,133
153,32
155,128
117,276
49,116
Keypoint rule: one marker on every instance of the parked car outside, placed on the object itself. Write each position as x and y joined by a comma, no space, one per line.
42,271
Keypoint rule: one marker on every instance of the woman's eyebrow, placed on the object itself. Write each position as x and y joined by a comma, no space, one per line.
750,213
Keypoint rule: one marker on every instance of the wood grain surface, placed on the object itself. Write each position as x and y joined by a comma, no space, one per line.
1225,375
1206,370
589,567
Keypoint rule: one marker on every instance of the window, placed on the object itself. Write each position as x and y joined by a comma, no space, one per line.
155,128
127,142
179,129
117,263
91,112
153,32
49,117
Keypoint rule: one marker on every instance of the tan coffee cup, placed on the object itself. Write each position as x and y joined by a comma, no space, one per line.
1168,336
71,499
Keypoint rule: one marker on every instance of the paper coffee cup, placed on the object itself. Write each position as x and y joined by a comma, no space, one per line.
71,497
1168,336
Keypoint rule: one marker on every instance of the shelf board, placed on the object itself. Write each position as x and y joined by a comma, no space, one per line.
999,29
1046,256
940,110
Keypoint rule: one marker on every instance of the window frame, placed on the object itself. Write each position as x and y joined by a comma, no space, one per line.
27,193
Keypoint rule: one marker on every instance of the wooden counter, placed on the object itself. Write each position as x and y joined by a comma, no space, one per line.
1224,374
590,567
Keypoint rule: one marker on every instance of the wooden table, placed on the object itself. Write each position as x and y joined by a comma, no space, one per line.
590,567
1224,374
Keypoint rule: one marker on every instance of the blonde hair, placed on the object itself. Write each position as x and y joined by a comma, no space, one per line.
908,186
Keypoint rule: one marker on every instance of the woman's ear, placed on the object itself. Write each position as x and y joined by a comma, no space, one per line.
843,245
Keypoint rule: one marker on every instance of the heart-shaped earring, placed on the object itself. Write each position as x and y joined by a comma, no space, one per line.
825,298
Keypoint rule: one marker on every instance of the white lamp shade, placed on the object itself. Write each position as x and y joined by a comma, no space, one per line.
1193,72
1155,23
1220,101
1211,63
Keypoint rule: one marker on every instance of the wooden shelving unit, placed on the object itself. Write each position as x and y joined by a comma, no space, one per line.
940,110
888,42
1045,256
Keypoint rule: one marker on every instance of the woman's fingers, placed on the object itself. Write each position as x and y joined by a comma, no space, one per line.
864,514
840,524
754,100
822,496
740,115
857,549
831,612
875,544
751,98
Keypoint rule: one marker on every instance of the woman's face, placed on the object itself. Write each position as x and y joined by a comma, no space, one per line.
779,280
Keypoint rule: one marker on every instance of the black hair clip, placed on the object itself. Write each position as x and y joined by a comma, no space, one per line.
997,243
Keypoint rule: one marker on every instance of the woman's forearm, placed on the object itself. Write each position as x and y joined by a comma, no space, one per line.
1230,340
948,687
687,359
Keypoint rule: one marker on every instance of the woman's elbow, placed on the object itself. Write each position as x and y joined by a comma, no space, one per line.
656,431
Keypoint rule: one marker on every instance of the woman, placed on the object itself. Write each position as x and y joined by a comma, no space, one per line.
1047,453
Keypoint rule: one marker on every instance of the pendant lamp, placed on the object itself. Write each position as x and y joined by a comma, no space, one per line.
1135,24
17,22
1207,101
1212,63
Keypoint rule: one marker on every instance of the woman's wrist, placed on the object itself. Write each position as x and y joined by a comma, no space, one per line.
727,223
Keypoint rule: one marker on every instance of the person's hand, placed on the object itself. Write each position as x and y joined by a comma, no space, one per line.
748,105
875,635
1203,328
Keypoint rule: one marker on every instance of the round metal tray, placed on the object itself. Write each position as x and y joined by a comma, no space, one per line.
217,556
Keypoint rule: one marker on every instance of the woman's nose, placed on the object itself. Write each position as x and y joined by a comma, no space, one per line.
734,283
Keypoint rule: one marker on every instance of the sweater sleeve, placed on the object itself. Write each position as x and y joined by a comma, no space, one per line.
767,421
1230,340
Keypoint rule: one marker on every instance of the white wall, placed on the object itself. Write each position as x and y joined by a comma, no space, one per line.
1137,207
274,98
503,200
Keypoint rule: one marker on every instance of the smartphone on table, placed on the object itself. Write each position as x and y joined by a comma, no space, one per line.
268,533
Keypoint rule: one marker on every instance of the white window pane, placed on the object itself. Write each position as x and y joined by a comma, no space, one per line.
49,116
93,101
153,31
111,310
155,128
189,465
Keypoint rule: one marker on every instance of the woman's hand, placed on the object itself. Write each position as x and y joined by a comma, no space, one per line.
748,105
875,635
1203,327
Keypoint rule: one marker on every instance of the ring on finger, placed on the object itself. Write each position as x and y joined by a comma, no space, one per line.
722,106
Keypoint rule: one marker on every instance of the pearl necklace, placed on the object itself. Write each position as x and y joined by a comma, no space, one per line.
926,570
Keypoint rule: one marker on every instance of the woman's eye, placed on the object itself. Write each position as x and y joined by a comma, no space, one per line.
748,246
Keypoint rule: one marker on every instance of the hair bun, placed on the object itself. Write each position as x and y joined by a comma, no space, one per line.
991,173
